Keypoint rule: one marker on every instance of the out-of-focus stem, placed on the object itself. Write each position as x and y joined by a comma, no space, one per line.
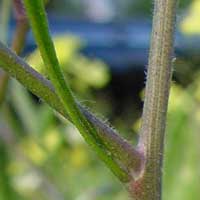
4,19
20,36
22,27
18,41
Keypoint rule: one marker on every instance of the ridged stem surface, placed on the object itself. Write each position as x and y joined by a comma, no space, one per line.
148,186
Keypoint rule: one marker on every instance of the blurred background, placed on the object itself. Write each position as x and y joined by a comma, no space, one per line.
102,46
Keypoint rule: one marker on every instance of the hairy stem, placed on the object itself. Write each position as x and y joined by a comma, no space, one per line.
128,157
39,24
156,101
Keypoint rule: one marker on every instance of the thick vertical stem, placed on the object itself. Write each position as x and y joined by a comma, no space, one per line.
148,187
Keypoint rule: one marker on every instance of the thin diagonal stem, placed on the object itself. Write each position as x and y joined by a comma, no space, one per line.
39,24
41,87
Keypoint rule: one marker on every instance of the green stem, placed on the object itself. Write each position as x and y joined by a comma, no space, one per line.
124,153
148,187
4,19
38,20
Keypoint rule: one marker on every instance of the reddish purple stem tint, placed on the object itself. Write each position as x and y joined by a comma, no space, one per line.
19,10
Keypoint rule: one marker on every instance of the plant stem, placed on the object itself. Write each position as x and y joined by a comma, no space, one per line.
129,157
17,45
38,20
20,36
4,19
148,187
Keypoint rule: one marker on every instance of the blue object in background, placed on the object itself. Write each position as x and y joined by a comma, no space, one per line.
122,45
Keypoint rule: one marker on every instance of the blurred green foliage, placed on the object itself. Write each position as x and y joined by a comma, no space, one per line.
190,25
43,157
182,156
81,71
47,159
